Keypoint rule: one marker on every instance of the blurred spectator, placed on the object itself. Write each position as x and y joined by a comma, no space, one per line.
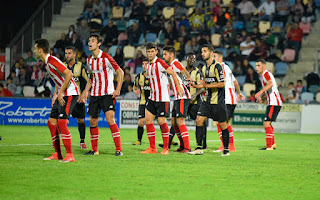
99,7
295,36
252,98
238,70
291,94
197,20
11,86
210,26
24,78
95,23
119,57
156,23
110,34
267,10
283,11
221,20
270,39
4,92
299,89
227,35
246,65
126,83
297,10
184,21
247,46
246,9
15,78
87,10
255,33
253,77
183,32
130,94
61,44
51,51
170,34
76,42
312,79
215,8
35,78
16,68
30,60
83,31
70,33
137,9
139,58
310,12
260,51
173,23
134,34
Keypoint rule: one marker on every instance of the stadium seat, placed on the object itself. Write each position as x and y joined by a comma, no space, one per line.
318,97
314,89
129,52
306,97
264,26
226,2
238,25
190,3
277,27
247,87
288,55
230,64
277,24
241,79
150,3
132,21
117,12
143,50
113,49
151,37
281,68
234,50
167,12
270,67
28,91
123,36
224,51
305,27
121,25
161,38
18,92
250,25
215,39
190,11
291,2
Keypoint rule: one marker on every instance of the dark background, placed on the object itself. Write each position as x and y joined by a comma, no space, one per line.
13,15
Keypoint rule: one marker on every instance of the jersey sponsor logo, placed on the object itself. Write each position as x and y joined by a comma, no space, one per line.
22,111
97,71
162,113
61,115
210,80
147,88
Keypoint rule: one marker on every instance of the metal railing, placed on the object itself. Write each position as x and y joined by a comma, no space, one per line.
31,30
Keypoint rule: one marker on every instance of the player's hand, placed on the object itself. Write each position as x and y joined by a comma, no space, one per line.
241,97
54,98
60,99
258,95
190,84
83,97
259,100
115,94
137,92
180,91
202,82
190,79
193,97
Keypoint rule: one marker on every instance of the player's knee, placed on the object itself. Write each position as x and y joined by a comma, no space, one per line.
199,122
180,121
93,122
80,120
266,124
161,121
141,122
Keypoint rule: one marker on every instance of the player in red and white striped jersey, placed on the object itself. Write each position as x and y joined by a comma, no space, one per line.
64,99
181,103
270,89
159,100
102,97
231,98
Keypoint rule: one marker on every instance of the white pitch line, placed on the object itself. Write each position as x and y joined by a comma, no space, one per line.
75,144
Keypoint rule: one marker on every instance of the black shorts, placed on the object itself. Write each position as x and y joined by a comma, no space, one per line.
193,110
142,111
63,112
230,110
79,111
217,112
180,108
272,113
98,103
158,109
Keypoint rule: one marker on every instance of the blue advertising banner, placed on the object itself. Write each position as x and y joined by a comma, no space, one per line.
36,112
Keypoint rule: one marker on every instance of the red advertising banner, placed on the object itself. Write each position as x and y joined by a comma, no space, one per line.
2,66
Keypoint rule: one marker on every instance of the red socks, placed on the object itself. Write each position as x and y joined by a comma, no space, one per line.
230,135
151,132
185,136
165,135
94,135
220,132
116,136
55,138
65,135
273,142
269,136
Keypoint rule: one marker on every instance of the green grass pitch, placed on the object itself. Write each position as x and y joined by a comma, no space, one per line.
290,172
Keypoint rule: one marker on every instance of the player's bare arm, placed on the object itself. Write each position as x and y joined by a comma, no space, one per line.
67,78
55,96
237,87
175,79
120,73
202,90
266,88
212,85
136,90
185,72
84,95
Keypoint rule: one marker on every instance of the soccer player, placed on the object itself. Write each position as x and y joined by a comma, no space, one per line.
103,94
214,101
270,89
159,100
181,102
80,77
64,99
231,87
142,89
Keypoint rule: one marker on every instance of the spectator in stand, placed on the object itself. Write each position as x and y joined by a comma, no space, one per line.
297,10
16,68
119,57
238,70
252,98
173,23
110,34
137,9
83,31
61,44
197,20
11,86
260,51
188,47
156,23
24,78
240,37
35,79
184,21
76,42
245,66
283,11
4,92
310,12
30,60
253,77
87,10
130,94
267,10
295,36
139,59
41,73
227,36
21,63
291,94
180,11
247,46
300,88
51,51
126,83
270,39
221,20
100,7
183,32
134,34
210,25
170,34
15,78
255,33
196,48
312,79
70,33
247,9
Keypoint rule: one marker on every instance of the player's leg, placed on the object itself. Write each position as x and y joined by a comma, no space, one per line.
231,140
162,109
274,146
55,137
140,128
82,132
177,132
219,113
199,135
115,131
182,110
225,137
220,149
204,139
151,131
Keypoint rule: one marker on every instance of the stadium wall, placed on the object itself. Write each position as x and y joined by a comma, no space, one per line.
293,118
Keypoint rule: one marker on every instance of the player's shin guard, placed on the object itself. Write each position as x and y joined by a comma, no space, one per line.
55,138
116,136
269,136
185,136
199,135
151,132
65,135
94,136
165,135
140,133
225,138
177,131
82,131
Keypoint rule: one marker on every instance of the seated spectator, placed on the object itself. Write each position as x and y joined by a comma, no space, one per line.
4,92
297,10
188,47
70,33
183,32
156,23
246,65
15,78
238,70
11,86
295,36
246,9
312,79
170,34
134,34
310,12
99,7
247,46
197,20
87,10
35,78
139,59
119,57
137,9
16,68
252,98
76,42
24,78
221,20
283,11
130,94
270,39
291,94
30,60
184,21
110,34
126,83
255,33
260,51
21,63
95,23
253,77
227,36
267,10
83,31
61,44
210,26
300,88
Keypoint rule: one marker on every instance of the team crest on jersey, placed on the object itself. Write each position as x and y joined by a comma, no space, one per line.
76,73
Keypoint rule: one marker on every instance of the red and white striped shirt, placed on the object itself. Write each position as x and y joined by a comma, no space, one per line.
177,67
158,80
273,95
102,69
55,68
230,94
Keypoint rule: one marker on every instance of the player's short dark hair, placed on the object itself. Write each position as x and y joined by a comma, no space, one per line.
42,44
190,54
218,52
262,61
299,81
145,60
151,45
291,83
209,46
1,85
72,48
169,49
97,36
